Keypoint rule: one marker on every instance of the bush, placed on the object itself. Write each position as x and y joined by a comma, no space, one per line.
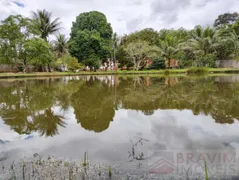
166,72
70,62
93,62
207,60
197,70
158,63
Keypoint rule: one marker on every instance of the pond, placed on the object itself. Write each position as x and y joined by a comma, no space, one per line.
164,124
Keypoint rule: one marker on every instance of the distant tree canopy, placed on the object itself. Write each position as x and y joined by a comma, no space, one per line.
91,36
225,19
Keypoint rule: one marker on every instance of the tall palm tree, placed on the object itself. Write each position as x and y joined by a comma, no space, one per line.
60,45
169,47
44,22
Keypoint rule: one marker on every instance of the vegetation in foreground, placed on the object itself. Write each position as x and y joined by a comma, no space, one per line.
49,167
25,41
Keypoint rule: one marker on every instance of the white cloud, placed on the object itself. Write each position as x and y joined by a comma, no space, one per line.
127,16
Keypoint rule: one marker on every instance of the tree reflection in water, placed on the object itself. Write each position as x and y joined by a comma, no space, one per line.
28,105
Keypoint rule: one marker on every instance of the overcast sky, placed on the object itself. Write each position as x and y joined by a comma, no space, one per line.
128,15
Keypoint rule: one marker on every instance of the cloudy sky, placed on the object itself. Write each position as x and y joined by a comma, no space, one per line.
128,15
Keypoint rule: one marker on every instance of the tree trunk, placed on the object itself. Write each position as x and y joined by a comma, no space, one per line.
116,66
49,67
169,63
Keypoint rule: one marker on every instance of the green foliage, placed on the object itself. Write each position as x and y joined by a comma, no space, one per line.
169,46
70,62
225,19
12,39
90,40
139,51
93,61
85,44
60,45
207,60
229,44
167,72
148,35
197,70
203,41
158,63
92,21
38,52
206,171
44,23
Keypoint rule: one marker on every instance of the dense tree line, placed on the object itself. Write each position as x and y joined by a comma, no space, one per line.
28,41
201,46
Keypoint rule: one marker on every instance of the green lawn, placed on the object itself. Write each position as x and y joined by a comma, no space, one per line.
120,72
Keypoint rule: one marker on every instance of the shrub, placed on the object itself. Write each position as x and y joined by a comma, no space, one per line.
197,70
70,62
93,62
167,72
158,63
207,60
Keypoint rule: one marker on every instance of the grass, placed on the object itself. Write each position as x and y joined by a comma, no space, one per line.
197,70
123,72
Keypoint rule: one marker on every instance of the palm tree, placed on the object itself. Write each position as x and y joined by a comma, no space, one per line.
48,123
169,47
45,24
208,40
202,41
60,45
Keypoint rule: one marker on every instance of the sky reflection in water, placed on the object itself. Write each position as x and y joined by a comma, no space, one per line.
67,116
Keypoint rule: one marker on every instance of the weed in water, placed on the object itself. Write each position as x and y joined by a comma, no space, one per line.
206,172
110,172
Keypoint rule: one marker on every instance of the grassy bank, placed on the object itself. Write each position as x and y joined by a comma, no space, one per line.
120,72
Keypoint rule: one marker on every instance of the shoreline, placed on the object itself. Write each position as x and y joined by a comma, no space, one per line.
119,72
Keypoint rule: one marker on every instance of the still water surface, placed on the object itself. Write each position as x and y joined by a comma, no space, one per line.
107,115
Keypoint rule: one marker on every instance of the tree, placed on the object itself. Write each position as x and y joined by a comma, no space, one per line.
226,19
91,38
235,27
115,41
91,21
45,24
169,47
229,44
147,35
14,31
37,51
93,105
47,123
86,45
208,40
139,51
60,45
